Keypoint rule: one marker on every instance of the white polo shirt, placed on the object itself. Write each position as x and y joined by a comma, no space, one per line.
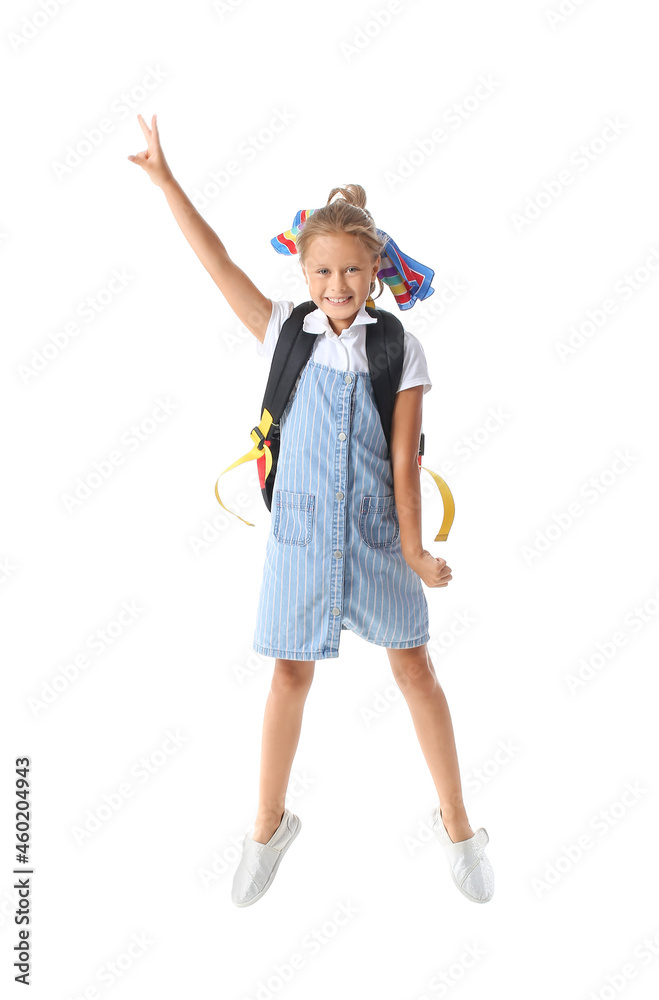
347,351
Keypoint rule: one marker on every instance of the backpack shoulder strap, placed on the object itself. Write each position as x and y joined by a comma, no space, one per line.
384,351
385,341
385,344
292,351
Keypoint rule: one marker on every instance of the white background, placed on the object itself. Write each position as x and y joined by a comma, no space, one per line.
534,259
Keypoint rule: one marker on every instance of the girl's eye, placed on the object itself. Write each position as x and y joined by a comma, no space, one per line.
353,267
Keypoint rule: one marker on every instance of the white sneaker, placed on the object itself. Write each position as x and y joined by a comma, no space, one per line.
259,862
470,868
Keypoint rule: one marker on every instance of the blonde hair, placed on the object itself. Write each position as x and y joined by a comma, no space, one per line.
347,214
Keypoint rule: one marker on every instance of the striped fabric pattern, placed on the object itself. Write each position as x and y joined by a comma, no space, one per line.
285,242
408,279
333,556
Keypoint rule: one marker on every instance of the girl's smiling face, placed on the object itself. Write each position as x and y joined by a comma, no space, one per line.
339,271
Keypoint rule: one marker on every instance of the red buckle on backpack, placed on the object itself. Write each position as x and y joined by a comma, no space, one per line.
260,464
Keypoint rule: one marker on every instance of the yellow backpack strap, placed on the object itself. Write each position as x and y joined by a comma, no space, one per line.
449,504
260,450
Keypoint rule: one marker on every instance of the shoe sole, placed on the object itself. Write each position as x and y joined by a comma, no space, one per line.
473,899
267,885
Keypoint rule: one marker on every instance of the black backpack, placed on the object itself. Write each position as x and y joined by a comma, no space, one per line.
384,351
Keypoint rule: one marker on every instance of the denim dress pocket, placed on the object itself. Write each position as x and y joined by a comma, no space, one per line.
378,521
293,517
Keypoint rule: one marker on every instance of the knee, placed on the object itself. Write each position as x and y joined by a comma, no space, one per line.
292,676
414,670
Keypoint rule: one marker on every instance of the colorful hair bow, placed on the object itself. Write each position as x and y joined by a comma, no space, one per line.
407,278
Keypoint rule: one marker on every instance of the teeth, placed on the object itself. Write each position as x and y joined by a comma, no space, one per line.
339,300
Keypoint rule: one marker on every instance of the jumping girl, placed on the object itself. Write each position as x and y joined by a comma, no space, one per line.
345,548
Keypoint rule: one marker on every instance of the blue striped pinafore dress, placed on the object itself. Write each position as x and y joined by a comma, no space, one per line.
333,557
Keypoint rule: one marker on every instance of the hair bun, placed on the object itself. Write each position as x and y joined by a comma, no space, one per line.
354,194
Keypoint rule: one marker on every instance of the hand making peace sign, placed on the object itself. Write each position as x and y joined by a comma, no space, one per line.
152,159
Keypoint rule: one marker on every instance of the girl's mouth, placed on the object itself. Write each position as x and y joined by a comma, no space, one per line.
339,302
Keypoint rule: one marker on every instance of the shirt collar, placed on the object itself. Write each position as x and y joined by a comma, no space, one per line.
317,321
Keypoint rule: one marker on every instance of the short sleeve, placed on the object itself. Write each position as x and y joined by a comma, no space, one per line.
415,366
281,310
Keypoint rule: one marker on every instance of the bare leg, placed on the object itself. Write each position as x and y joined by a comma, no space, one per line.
282,723
415,676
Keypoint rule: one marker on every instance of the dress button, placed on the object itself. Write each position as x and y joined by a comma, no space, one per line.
336,611
348,379
342,436
339,495
338,554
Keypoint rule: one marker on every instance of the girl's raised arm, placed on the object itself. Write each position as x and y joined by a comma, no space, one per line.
251,307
